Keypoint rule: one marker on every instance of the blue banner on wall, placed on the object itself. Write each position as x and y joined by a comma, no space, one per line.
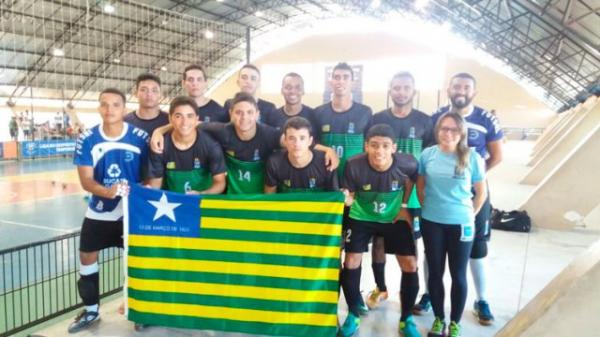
47,148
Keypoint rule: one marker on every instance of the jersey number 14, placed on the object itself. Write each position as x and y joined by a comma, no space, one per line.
244,175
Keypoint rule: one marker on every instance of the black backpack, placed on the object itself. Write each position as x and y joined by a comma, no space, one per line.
513,221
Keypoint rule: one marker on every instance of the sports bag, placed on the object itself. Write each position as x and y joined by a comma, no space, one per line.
513,221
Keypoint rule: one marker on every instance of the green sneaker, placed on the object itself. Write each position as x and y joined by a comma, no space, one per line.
454,329
351,325
408,328
362,308
438,329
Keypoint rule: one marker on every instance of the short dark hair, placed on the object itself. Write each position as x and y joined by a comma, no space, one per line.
250,66
466,76
182,100
293,74
243,97
147,77
381,130
194,66
403,74
113,91
343,66
297,123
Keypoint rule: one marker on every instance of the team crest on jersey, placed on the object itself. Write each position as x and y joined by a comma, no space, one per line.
411,132
196,163
113,171
326,128
395,185
171,165
231,153
128,156
287,182
367,187
100,205
350,127
458,174
256,155
473,134
312,182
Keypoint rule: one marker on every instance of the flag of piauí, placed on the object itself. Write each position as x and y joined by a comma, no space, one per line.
259,264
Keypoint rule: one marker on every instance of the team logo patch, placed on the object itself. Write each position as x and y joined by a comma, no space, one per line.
367,187
473,134
350,127
196,163
395,185
312,182
326,128
256,155
287,182
128,156
113,171
170,165
411,132
100,205
458,174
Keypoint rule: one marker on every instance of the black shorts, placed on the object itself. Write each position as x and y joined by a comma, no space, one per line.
397,237
483,231
97,235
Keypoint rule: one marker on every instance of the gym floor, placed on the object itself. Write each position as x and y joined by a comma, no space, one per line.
44,199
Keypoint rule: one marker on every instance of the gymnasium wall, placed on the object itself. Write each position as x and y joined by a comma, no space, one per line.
382,55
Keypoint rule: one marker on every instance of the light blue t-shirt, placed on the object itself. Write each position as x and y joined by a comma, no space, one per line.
448,194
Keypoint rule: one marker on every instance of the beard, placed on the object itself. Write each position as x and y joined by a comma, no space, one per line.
461,101
401,103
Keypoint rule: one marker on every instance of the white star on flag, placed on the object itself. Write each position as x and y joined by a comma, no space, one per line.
164,208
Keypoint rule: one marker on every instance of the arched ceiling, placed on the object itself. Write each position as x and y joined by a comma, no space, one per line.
553,43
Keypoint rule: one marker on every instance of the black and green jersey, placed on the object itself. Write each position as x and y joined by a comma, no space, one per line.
212,112
245,159
190,169
148,125
378,195
278,117
311,178
413,134
342,131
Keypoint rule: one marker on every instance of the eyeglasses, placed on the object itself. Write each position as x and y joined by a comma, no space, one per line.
454,131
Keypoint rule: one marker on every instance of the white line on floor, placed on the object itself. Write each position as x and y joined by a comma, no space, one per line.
62,230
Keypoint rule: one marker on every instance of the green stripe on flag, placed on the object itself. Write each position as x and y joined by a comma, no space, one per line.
306,239
320,218
233,279
293,330
191,254
232,302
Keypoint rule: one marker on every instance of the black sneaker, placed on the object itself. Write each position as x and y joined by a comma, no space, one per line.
84,320
424,305
481,309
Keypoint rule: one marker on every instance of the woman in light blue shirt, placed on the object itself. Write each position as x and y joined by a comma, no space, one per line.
448,173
